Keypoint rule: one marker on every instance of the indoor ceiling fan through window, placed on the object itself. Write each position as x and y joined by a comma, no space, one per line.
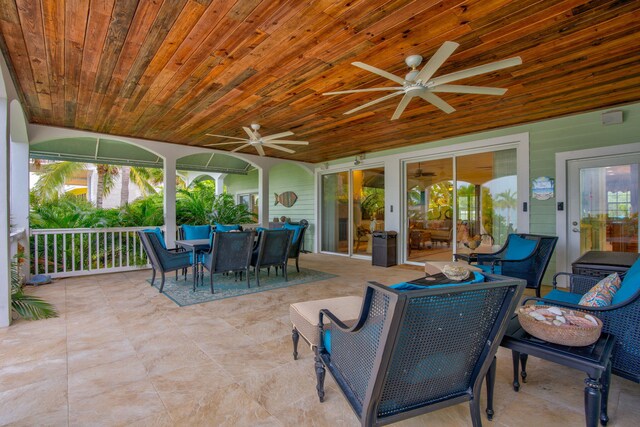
422,83
258,141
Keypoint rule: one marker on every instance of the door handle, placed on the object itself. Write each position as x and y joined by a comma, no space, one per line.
576,230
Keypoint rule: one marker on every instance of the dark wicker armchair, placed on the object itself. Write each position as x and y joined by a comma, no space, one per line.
530,267
272,251
161,259
230,252
621,318
414,352
298,242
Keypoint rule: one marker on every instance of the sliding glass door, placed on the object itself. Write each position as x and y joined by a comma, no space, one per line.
460,203
352,208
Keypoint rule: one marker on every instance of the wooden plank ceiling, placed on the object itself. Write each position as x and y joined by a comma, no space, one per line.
174,70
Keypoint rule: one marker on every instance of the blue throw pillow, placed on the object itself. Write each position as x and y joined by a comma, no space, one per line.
630,284
519,248
477,278
222,227
296,228
158,233
192,232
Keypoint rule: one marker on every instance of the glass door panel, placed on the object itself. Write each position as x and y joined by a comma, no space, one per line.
487,191
429,210
368,208
335,212
604,212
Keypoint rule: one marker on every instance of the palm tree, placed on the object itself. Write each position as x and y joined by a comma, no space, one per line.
125,177
54,176
106,174
506,200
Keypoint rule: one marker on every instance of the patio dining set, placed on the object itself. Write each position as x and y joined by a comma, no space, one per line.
226,249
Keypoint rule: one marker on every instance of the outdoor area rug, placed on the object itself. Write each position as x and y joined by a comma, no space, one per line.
181,291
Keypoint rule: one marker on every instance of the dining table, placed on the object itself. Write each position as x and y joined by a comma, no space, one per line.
196,246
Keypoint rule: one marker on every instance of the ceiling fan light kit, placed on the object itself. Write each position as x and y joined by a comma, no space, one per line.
258,141
420,83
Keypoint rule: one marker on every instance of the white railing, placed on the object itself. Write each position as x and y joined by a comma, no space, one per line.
81,251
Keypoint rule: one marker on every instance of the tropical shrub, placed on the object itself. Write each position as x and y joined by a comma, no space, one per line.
27,306
226,211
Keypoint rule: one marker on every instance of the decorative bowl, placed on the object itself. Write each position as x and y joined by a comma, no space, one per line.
560,325
455,272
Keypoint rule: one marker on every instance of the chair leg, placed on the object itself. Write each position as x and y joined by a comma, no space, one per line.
248,283
257,276
297,266
538,291
491,381
162,283
153,276
295,336
319,376
284,272
475,411
211,280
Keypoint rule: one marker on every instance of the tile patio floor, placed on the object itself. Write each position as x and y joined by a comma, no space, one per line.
122,354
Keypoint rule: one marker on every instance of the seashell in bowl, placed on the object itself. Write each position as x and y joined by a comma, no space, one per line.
455,272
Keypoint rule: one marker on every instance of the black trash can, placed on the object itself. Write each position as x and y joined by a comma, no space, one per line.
384,248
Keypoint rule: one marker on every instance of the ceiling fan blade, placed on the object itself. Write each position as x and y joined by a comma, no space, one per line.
240,148
379,72
437,101
438,58
474,71
276,136
375,101
277,147
250,133
288,142
225,143
480,90
401,106
226,137
373,89
260,149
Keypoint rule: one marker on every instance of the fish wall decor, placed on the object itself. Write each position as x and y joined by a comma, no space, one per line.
286,199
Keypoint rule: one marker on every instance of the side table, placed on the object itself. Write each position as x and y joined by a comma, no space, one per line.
602,263
594,360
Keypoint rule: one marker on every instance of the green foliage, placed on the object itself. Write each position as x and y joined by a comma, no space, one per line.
440,200
194,204
27,306
226,211
53,176
142,212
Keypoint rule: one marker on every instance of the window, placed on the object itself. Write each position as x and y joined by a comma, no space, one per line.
250,200
619,204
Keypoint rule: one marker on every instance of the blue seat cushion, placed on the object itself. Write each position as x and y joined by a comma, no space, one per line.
192,232
404,286
630,284
326,340
297,229
561,296
222,227
158,233
519,248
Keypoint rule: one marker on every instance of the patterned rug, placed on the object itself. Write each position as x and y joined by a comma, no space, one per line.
181,291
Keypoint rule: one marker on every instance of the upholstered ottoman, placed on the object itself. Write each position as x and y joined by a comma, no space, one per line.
305,315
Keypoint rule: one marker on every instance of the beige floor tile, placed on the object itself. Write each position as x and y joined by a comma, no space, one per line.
119,406
166,360
33,401
103,378
99,355
32,371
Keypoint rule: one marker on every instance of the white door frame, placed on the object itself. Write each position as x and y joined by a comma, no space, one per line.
562,160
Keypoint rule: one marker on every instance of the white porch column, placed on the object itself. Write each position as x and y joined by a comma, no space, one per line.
5,209
19,194
263,195
220,183
170,200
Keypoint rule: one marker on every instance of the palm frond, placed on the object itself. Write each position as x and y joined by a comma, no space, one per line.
53,176
32,308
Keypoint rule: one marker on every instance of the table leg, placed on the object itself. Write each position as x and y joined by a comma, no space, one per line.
195,268
491,381
523,363
592,397
516,365
606,381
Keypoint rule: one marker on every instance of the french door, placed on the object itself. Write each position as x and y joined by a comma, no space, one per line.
352,208
603,205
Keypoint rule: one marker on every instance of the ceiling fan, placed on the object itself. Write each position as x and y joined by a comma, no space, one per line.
422,83
258,141
418,173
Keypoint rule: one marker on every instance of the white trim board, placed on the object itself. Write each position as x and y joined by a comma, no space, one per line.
562,158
